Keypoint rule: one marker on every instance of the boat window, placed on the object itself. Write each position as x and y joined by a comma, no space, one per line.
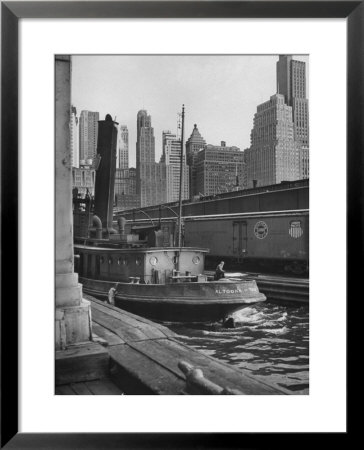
110,260
153,260
138,261
196,259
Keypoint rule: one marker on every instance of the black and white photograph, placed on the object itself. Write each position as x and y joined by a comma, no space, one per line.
181,193
182,224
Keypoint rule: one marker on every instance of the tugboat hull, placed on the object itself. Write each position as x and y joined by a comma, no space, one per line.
181,301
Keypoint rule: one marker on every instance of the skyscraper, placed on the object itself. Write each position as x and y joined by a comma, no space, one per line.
122,159
83,178
74,135
151,177
145,146
195,143
125,189
88,126
274,154
219,169
291,82
171,157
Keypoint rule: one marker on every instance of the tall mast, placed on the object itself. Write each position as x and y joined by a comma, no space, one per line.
181,182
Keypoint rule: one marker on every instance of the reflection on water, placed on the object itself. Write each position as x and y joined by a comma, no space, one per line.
270,341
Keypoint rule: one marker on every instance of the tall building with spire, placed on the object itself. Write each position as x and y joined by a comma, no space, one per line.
274,154
171,157
122,158
88,127
145,146
291,83
151,177
195,143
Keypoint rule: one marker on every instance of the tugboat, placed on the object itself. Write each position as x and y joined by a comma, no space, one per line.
146,274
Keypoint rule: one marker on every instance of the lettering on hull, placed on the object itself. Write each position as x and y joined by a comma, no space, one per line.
228,291
235,291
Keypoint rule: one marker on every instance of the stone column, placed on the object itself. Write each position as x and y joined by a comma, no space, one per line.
73,313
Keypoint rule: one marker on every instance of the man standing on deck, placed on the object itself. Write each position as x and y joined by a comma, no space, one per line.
219,273
111,294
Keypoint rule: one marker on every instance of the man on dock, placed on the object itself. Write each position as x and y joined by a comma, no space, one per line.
111,294
219,272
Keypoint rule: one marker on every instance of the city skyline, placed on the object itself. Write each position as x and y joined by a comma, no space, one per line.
220,92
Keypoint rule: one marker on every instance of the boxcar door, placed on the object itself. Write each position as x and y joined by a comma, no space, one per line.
240,239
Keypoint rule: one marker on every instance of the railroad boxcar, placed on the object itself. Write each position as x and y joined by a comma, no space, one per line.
284,196
277,241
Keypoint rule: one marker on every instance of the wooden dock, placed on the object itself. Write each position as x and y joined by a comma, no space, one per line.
146,358
103,386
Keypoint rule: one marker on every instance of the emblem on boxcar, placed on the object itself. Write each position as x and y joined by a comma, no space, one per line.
261,229
295,229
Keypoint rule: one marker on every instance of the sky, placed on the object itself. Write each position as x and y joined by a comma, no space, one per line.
220,92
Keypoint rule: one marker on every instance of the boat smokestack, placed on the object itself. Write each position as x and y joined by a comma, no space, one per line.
105,172
121,224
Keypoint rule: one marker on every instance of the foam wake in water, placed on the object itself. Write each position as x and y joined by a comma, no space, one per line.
268,340
275,331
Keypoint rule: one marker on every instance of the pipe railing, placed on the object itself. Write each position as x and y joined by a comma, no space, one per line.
147,215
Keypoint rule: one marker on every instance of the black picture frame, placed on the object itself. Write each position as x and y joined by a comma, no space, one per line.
11,12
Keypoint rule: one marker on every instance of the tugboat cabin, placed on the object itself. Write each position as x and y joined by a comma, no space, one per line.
158,265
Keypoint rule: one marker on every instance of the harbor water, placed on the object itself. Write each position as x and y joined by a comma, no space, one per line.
269,341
